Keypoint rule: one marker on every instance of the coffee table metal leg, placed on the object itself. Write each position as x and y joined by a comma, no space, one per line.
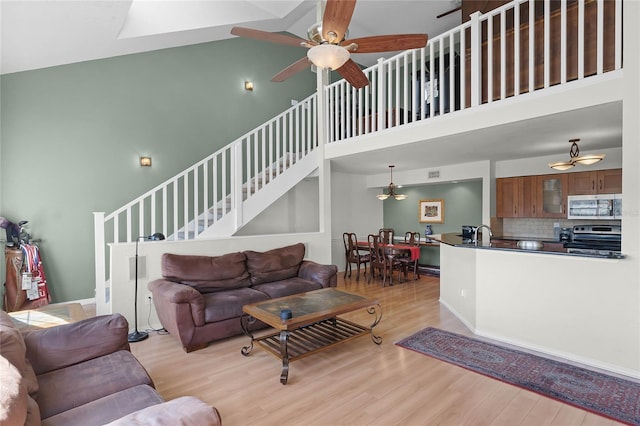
377,311
284,339
245,321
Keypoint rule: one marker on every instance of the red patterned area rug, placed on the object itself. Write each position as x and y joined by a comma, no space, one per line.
609,396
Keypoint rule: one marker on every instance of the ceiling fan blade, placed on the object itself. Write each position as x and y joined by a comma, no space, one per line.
292,69
387,43
353,74
337,16
267,36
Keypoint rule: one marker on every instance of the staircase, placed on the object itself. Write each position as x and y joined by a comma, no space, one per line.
277,179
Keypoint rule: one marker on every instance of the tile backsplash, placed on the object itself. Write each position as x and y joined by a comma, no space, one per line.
542,228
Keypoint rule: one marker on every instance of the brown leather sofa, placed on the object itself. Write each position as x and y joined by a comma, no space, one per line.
200,298
83,374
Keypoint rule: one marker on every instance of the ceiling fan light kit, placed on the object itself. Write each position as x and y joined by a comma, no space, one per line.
328,56
329,48
576,158
391,190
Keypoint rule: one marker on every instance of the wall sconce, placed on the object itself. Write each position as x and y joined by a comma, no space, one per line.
145,161
248,86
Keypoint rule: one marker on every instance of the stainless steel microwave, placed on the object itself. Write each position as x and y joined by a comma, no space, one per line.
600,206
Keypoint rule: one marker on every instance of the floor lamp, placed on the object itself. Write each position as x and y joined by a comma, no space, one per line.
137,336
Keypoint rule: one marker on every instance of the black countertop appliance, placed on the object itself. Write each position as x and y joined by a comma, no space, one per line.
468,231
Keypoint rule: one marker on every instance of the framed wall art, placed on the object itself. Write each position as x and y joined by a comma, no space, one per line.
431,211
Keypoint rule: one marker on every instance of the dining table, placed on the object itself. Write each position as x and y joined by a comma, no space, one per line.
392,251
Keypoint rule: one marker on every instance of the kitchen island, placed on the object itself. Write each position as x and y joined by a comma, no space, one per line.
510,243
572,306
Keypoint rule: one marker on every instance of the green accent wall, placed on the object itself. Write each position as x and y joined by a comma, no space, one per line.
462,206
71,136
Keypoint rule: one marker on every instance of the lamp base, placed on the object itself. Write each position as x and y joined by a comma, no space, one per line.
137,336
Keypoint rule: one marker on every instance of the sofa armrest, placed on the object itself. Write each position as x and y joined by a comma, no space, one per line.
184,411
323,274
167,293
64,345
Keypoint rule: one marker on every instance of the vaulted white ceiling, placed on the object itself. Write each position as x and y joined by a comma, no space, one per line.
37,34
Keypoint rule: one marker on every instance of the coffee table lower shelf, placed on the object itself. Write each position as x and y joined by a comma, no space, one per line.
290,346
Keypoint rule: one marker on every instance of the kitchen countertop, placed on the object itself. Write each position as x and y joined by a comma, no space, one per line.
509,243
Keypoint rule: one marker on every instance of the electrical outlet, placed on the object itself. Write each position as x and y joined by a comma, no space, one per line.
149,299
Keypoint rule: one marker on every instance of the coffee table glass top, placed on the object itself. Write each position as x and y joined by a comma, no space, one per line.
316,304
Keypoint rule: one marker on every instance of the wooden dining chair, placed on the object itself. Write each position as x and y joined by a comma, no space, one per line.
352,255
386,235
410,239
379,261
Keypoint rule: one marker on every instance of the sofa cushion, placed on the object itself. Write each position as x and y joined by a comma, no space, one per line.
76,385
287,287
274,265
184,411
108,408
13,349
13,395
57,347
223,305
207,273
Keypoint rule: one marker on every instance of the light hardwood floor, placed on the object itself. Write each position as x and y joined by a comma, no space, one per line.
355,383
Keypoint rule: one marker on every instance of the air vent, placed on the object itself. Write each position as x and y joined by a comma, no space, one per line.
434,174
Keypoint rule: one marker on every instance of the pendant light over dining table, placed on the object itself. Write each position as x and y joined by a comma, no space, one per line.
391,190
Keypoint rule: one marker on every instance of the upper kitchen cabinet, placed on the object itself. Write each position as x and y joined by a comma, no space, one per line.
595,182
516,196
507,197
551,197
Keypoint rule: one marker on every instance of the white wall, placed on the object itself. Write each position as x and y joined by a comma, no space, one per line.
457,269
579,308
296,211
355,208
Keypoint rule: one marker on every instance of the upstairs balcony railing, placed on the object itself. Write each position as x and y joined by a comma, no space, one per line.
518,48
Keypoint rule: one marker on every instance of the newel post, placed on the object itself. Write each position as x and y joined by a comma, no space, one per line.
100,289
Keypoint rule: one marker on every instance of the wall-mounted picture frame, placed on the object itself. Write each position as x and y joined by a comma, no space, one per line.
431,211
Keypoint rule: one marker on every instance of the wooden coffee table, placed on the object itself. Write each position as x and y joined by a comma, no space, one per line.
313,326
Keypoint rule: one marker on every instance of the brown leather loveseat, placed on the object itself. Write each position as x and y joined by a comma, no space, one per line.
83,374
200,298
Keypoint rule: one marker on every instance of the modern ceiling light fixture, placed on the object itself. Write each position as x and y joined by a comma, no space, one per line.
575,157
391,190
328,56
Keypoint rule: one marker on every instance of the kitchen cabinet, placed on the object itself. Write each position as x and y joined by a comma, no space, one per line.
551,195
507,197
595,182
516,196
528,191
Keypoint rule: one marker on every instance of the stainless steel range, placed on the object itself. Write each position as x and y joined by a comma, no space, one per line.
596,237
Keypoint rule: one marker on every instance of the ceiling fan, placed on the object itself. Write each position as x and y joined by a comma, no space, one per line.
328,47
